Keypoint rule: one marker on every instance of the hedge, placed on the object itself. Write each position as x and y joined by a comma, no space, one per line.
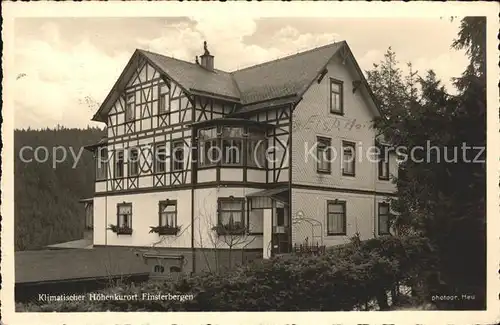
344,278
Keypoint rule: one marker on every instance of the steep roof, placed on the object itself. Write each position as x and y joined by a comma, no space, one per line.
286,76
282,80
290,75
194,77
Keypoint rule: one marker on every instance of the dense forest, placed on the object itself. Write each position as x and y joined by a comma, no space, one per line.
47,210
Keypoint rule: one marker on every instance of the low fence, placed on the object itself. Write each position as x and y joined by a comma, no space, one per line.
308,249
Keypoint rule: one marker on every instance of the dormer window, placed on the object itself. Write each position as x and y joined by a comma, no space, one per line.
130,107
336,97
164,100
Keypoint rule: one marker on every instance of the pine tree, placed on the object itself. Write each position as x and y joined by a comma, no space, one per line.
442,200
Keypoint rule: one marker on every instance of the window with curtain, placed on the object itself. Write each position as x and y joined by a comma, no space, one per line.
168,213
230,214
125,215
336,218
119,164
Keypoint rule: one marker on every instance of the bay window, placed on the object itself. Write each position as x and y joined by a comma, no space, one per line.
208,153
256,149
232,145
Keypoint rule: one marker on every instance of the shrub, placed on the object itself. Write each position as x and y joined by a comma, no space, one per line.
344,278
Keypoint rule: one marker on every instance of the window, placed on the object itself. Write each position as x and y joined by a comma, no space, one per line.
164,100
336,97
130,107
383,218
168,213
102,163
119,164
323,155
336,218
256,149
160,159
231,212
208,153
124,215
178,156
89,215
383,164
348,158
133,162
232,145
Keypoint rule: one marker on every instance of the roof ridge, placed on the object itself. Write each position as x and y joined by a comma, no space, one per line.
288,57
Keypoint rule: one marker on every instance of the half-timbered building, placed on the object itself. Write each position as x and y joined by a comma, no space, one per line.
206,165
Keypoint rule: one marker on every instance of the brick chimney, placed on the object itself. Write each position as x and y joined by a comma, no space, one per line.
207,60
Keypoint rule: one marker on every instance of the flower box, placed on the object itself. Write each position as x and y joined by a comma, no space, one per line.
231,229
165,230
120,230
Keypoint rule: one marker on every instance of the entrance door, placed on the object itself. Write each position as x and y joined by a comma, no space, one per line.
281,230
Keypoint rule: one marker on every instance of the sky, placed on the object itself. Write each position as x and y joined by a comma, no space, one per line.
65,67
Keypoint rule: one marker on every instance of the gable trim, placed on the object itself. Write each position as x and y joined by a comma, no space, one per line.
98,115
139,59
350,55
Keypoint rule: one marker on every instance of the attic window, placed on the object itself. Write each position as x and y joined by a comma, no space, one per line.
130,107
164,100
336,96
